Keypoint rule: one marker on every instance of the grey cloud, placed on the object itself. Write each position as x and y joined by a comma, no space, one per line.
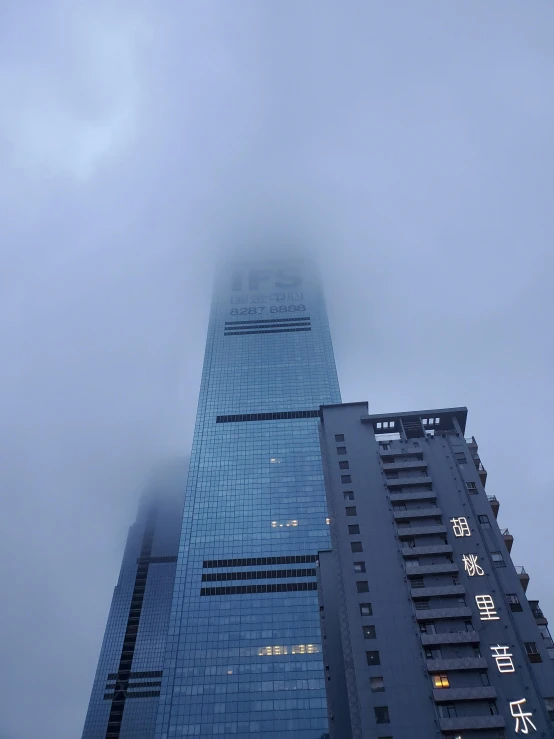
408,143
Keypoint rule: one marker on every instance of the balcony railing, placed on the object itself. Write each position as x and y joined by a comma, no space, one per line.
520,570
492,498
537,613
505,532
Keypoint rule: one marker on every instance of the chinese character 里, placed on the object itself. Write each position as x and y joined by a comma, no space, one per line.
277,296
523,722
471,566
485,604
503,658
460,526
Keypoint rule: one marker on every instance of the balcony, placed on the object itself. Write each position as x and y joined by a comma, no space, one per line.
401,515
470,723
508,539
420,495
478,693
432,614
452,637
539,616
438,592
480,469
495,504
408,464
444,568
404,482
418,551
523,577
407,532
462,663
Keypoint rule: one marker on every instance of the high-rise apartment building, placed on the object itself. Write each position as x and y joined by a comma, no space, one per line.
126,689
243,652
427,628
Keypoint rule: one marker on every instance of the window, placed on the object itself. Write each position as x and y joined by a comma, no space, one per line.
353,528
412,562
417,582
373,658
427,627
348,495
399,507
461,458
549,702
339,437
341,450
391,474
366,609
448,710
498,559
384,446
484,521
471,487
468,625
455,580
513,600
382,715
484,678
369,632
359,566
344,465
377,684
345,479
493,710
441,680
351,510
356,546
422,605
532,651
362,586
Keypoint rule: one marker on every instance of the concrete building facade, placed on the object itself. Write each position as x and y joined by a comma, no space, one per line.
427,631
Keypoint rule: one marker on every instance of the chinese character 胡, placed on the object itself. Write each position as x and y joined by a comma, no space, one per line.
460,526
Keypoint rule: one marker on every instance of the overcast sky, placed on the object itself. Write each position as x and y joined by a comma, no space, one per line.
410,143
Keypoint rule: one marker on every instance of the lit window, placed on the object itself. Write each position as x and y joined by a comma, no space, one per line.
369,632
366,609
327,521
359,566
373,658
348,495
441,680
275,460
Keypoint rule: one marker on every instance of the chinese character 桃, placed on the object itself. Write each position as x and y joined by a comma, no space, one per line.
460,526
485,604
471,566
523,722
503,658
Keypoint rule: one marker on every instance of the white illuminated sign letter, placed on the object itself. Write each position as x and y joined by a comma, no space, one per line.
503,658
522,717
485,604
460,526
471,566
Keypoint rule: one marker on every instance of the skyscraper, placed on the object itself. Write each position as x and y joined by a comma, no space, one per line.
126,688
243,651
427,628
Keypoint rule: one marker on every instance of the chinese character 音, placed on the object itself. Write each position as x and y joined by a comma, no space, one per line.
471,566
486,607
460,526
503,658
523,722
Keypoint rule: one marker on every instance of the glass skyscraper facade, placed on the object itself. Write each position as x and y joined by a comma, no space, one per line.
243,655
126,689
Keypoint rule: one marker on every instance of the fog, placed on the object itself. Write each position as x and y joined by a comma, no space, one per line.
408,144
